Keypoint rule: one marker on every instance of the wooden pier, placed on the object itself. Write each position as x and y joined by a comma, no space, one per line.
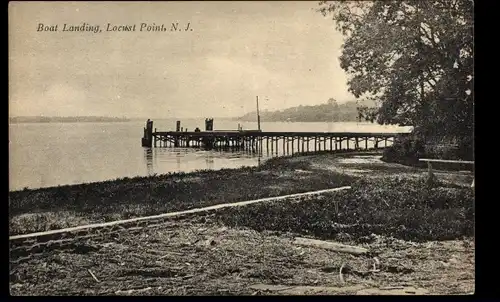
266,142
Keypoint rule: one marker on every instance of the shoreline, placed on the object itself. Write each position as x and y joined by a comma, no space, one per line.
283,158
44,209
204,171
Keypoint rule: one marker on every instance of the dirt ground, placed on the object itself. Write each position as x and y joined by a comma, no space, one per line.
186,257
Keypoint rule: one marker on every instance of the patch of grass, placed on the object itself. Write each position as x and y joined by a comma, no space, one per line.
278,163
140,196
38,222
403,208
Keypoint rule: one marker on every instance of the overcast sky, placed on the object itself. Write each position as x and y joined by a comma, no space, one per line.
284,52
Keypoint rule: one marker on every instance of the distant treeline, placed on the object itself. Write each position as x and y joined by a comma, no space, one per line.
64,119
329,112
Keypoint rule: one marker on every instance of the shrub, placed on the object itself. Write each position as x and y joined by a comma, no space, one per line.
408,149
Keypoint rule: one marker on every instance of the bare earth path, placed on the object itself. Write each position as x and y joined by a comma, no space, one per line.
190,258
371,165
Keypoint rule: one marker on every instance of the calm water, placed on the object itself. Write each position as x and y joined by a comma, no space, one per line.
45,155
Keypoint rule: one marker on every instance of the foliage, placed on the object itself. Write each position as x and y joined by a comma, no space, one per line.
414,57
408,149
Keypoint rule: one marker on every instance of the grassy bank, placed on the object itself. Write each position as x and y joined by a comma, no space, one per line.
404,208
386,199
66,206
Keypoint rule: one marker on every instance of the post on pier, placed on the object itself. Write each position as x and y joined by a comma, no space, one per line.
209,124
147,139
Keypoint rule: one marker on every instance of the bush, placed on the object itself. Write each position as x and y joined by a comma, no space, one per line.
407,150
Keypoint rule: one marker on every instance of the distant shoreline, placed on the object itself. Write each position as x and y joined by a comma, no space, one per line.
92,119
73,122
330,111
69,119
67,122
168,119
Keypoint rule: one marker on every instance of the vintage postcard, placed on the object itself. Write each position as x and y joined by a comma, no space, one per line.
241,148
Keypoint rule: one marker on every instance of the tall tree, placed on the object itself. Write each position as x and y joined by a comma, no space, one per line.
415,58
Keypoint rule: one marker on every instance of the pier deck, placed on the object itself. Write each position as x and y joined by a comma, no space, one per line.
257,133
269,141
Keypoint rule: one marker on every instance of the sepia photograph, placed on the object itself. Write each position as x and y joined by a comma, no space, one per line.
243,148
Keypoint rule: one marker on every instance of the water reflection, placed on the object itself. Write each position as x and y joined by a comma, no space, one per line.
209,160
148,156
164,160
178,160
